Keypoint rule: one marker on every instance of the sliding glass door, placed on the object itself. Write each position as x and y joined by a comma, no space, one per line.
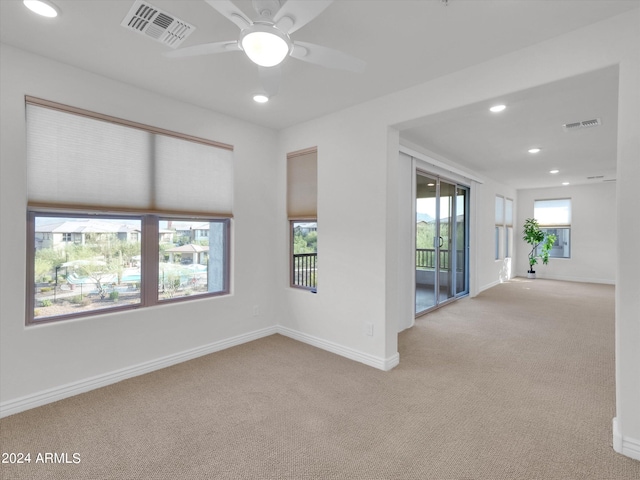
441,241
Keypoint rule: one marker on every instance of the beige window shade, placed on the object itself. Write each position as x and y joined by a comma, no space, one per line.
508,212
193,177
76,159
302,184
499,210
553,212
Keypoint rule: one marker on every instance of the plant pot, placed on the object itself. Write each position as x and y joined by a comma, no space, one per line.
531,274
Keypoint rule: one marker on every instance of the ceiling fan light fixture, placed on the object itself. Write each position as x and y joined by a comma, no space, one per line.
265,45
42,7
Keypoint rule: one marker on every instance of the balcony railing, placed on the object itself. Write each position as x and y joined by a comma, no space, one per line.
426,258
304,266
304,270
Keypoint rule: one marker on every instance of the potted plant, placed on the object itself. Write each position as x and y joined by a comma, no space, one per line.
535,237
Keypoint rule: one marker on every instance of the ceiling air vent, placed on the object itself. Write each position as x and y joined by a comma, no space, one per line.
584,124
152,22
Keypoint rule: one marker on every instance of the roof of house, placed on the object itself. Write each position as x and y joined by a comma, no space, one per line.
85,226
189,248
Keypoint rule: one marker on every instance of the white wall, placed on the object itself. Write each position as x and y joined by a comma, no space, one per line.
357,170
352,196
358,205
593,233
627,423
34,359
489,271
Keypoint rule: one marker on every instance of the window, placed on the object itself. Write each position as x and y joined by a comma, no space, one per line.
554,217
194,268
508,227
301,210
504,227
304,237
99,272
499,228
121,215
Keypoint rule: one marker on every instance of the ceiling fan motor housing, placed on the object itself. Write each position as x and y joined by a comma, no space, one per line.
266,8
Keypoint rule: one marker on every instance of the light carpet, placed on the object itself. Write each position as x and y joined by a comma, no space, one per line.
517,383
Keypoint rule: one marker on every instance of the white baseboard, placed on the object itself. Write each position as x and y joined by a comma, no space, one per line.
565,278
44,397
488,286
371,360
64,391
629,447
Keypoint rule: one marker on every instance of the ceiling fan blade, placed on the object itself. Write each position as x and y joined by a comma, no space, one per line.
295,14
233,13
270,79
327,57
205,49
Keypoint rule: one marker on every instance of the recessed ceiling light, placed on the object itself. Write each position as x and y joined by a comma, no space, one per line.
260,98
554,171
42,7
497,108
565,183
534,150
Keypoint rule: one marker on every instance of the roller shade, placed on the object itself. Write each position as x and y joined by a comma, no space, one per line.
508,212
81,159
302,185
499,210
553,212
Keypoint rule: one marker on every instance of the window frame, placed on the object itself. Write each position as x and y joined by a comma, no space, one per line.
503,231
508,227
499,228
226,262
150,211
150,249
555,226
292,283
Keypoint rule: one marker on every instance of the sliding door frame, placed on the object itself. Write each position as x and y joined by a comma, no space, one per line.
421,168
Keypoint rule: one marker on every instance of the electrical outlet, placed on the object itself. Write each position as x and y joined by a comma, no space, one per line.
256,310
368,329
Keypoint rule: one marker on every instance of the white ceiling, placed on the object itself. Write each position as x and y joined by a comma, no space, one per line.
404,42
496,144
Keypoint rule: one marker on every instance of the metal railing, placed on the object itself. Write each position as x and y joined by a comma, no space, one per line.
304,269
425,258
304,265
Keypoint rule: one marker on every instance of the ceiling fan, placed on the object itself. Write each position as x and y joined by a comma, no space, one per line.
266,40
